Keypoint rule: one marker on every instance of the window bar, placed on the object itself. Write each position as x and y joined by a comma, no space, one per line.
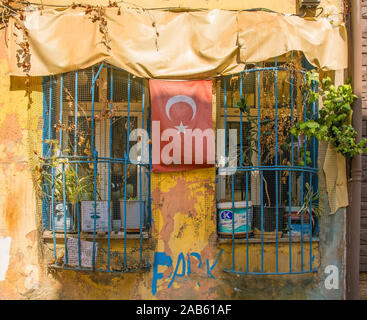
303,176
95,162
225,117
290,176
314,154
241,153
61,109
150,166
50,117
140,180
314,165
247,224
45,113
310,224
260,169
241,163
94,173
315,143
45,201
262,220
109,177
65,208
65,211
94,78
276,163
233,213
76,164
49,151
125,169
52,210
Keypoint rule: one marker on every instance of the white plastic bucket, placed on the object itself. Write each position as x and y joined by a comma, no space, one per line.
242,218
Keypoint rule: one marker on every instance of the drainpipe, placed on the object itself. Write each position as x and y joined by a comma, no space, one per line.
354,209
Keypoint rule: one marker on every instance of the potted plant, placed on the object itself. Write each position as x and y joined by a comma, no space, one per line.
300,219
60,184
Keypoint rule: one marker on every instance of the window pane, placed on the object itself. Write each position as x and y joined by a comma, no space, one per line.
119,147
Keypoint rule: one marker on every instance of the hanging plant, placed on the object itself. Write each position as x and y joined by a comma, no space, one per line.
334,121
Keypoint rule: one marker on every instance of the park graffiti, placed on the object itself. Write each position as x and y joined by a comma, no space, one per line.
182,268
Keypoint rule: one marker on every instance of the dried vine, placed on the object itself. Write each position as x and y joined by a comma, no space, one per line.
23,56
16,9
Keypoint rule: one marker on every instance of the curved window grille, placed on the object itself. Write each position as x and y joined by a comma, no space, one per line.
264,204
88,118
96,197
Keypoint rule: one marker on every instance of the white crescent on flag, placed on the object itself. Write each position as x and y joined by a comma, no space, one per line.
180,98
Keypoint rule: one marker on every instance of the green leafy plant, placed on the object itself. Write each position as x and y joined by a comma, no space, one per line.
334,122
301,161
310,199
58,172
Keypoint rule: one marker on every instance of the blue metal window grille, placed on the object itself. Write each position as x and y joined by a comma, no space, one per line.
89,116
262,206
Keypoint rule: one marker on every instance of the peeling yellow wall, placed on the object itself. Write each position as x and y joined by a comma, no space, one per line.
17,201
184,216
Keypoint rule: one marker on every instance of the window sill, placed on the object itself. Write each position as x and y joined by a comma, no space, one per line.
258,240
48,235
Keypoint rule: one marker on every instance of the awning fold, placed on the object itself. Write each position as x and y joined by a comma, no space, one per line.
172,45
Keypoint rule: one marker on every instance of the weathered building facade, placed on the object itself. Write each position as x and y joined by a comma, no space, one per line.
184,256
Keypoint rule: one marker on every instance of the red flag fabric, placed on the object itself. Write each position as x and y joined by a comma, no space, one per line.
182,125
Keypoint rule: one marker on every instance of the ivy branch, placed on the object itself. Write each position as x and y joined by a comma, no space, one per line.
334,121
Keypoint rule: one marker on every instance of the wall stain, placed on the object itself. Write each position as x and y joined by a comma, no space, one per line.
170,207
12,211
10,129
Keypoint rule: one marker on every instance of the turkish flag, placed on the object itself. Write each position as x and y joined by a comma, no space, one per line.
182,125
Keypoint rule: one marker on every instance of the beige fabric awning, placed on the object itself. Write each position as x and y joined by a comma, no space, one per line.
173,45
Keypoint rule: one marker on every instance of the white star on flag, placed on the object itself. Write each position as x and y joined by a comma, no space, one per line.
181,128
